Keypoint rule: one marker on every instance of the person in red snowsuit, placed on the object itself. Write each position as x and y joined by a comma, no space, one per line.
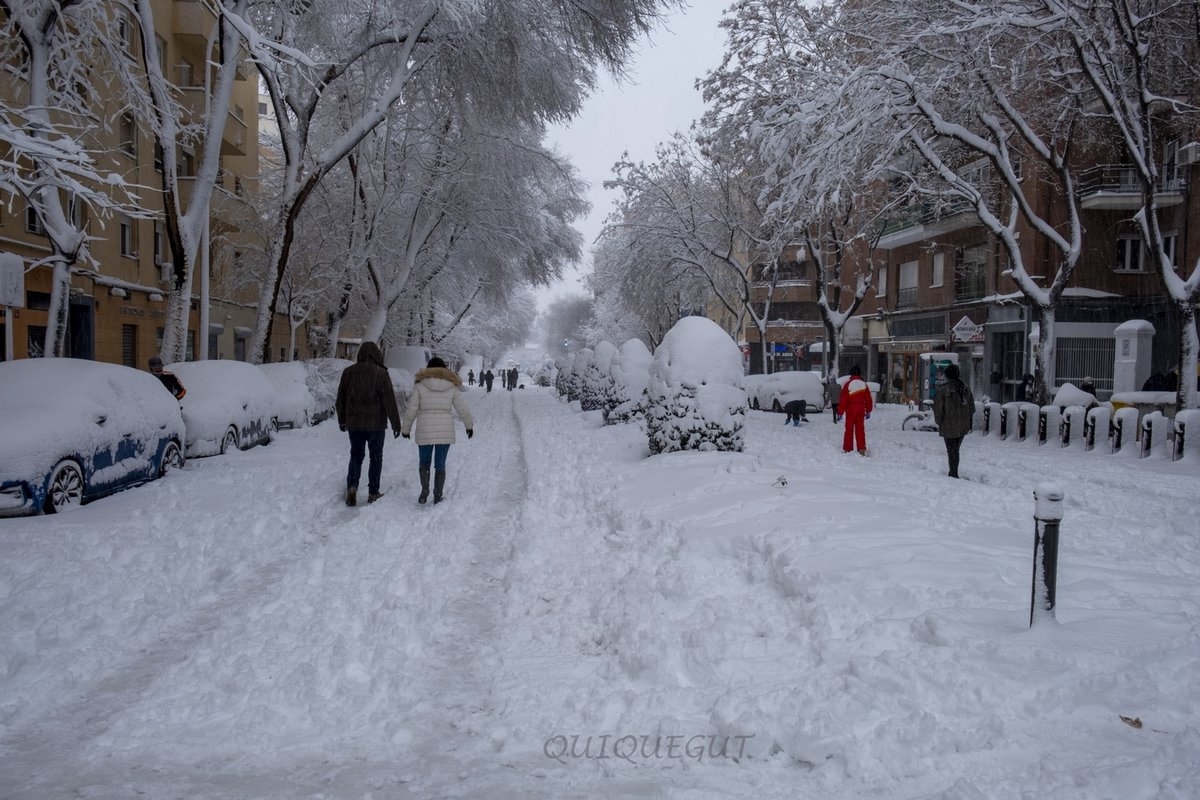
855,405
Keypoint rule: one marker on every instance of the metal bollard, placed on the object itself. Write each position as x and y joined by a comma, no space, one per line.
1047,514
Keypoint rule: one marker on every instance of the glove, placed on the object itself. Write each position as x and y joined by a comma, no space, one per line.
395,433
470,433
405,435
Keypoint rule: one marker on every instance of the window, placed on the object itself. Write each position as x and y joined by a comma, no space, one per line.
1129,254
939,269
125,33
881,282
77,212
970,275
128,237
33,222
183,74
129,345
159,242
187,163
158,157
262,108
906,289
160,44
128,134
1170,243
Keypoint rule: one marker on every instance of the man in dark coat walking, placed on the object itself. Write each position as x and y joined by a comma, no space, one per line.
488,377
953,411
366,403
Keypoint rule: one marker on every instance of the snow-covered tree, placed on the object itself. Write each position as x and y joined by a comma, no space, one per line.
630,372
55,54
695,399
597,380
527,61
579,369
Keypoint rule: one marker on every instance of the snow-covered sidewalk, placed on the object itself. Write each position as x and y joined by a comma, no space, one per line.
578,620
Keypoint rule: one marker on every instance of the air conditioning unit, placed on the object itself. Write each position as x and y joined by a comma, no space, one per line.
1189,153
167,272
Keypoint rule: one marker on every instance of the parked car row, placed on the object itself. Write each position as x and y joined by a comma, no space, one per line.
773,392
72,430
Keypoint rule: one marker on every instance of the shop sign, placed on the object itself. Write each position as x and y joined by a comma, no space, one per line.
967,331
911,347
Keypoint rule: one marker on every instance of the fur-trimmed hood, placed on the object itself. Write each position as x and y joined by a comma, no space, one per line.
444,373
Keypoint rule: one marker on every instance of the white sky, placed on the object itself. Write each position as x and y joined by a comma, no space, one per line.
656,100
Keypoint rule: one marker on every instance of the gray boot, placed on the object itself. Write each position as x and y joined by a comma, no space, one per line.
439,483
424,471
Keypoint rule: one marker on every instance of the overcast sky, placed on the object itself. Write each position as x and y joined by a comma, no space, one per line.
656,100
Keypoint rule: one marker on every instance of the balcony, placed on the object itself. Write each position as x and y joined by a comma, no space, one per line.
906,298
926,221
233,137
1117,187
970,285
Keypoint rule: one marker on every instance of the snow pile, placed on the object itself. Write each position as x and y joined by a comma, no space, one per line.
1071,395
630,372
324,375
695,399
597,385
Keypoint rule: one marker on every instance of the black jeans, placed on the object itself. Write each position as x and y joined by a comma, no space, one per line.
359,442
952,446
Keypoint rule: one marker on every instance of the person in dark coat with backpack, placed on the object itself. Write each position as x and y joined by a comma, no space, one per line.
366,403
953,410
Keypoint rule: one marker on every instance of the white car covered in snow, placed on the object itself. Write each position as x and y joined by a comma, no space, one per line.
778,389
295,404
73,430
229,405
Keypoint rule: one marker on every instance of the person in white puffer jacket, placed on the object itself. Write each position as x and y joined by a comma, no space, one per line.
436,396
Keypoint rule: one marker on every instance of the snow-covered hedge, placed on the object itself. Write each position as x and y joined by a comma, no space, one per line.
695,399
630,373
579,368
597,382
563,378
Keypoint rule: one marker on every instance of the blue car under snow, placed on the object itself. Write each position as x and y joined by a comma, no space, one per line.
73,430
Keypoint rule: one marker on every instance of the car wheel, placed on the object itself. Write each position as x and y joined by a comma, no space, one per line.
755,404
172,459
66,487
776,407
230,440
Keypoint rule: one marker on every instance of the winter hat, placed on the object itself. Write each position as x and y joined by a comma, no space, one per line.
155,362
436,362
856,371
952,372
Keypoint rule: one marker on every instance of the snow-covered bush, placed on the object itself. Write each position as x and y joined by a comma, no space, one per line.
563,378
695,399
579,368
545,373
597,383
630,373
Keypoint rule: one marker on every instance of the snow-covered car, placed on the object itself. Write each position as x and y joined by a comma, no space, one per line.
295,405
229,405
74,430
324,375
780,388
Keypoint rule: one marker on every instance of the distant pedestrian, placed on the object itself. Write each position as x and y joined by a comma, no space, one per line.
1088,386
431,406
512,379
470,377
953,411
488,377
366,403
832,391
855,405
795,410
168,379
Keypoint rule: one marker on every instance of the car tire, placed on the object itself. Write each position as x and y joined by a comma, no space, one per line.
65,489
172,459
776,407
229,441
754,404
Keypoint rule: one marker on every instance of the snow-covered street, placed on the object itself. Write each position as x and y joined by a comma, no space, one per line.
580,620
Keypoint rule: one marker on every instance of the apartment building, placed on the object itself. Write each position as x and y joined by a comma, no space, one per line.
944,286
117,307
